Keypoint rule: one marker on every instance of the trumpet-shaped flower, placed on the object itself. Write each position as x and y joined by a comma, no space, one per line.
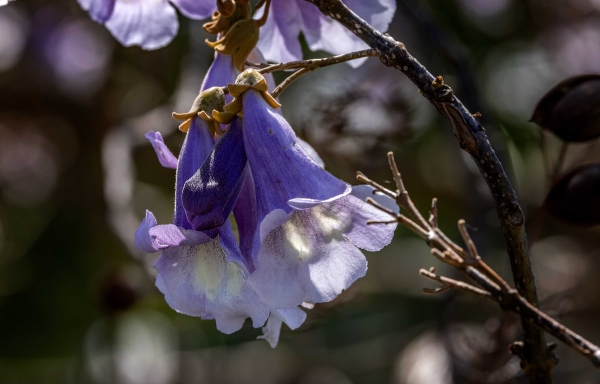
279,36
150,24
201,273
308,223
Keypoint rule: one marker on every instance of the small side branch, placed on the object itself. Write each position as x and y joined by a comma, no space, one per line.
314,63
302,67
291,78
490,285
448,283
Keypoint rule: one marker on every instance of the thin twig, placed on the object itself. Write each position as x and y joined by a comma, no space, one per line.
313,63
290,79
492,286
433,214
455,284
363,179
258,65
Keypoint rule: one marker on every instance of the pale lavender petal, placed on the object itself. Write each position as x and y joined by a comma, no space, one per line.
275,271
281,169
278,40
306,259
198,280
195,149
165,157
209,195
142,238
293,318
272,330
100,10
196,9
352,212
170,235
378,13
325,33
151,24
333,263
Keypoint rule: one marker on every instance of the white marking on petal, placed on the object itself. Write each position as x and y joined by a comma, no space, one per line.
215,276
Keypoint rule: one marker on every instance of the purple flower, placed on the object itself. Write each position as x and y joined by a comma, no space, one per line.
308,223
150,24
279,36
201,273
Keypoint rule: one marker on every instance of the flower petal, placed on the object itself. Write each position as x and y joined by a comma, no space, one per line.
150,24
278,39
324,33
306,259
354,212
209,195
165,157
222,71
100,10
196,9
142,238
310,151
293,317
170,235
198,280
272,330
195,149
281,169
245,217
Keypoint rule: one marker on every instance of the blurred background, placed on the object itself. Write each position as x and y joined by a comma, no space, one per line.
78,302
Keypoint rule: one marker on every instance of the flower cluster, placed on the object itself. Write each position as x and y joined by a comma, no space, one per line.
299,229
260,229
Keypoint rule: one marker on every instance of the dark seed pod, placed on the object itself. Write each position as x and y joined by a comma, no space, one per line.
576,197
571,109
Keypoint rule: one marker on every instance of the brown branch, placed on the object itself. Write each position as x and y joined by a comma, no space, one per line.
472,138
492,286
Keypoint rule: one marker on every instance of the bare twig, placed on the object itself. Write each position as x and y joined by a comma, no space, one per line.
448,283
363,179
305,66
491,285
472,138
433,214
290,79
313,63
